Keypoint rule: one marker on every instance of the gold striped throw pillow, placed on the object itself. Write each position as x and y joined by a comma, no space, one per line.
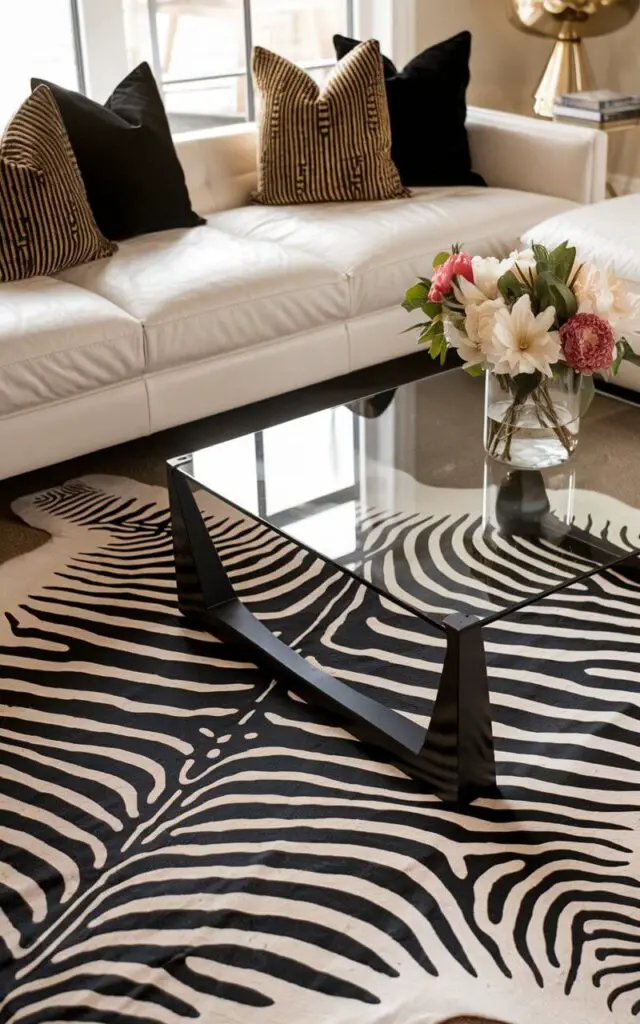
46,223
322,145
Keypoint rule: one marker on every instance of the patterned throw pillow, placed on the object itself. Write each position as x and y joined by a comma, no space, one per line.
46,223
322,145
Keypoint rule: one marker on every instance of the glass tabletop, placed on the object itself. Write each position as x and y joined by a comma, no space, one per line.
396,490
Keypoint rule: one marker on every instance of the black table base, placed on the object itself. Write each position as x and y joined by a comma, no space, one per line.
454,756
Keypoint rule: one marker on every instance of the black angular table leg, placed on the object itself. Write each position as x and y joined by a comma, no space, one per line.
459,743
201,580
629,568
454,756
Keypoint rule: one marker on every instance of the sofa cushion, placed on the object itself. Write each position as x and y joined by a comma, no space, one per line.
603,233
383,247
46,222
203,293
58,341
323,144
435,84
127,159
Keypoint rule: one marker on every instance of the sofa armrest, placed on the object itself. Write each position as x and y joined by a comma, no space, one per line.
220,166
531,155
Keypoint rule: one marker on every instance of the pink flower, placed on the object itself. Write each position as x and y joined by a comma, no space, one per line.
461,265
458,265
588,343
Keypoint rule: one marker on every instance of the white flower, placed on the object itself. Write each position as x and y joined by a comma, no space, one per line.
479,322
523,260
474,344
469,352
523,342
467,293
486,273
601,292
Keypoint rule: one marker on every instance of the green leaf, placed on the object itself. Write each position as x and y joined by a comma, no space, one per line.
432,309
551,291
561,261
542,257
443,354
415,297
617,362
436,346
512,287
431,331
575,275
476,370
436,329
441,258
627,353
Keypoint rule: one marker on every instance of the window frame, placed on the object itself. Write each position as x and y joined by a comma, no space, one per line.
100,45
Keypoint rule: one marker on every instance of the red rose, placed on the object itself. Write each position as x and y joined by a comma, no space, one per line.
588,343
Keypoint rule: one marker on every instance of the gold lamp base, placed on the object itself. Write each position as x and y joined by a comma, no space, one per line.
567,22
567,71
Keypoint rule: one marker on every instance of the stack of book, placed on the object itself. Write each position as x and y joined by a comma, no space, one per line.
600,105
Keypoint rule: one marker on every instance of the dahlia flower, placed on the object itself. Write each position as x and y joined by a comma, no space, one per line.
588,343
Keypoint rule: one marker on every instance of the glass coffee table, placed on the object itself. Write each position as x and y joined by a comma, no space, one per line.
395,490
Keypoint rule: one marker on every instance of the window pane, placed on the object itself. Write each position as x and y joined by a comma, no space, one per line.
207,104
36,38
196,38
299,29
230,468
332,531
320,446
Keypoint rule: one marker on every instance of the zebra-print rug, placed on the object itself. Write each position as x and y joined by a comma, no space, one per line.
181,840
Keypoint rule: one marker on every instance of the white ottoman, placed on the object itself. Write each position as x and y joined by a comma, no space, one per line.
607,234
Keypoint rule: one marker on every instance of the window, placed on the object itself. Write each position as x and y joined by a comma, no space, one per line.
199,49
37,37
318,503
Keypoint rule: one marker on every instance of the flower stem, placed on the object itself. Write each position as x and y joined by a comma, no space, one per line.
543,402
500,442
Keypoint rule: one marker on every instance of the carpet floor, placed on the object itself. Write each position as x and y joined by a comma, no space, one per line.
144,460
183,839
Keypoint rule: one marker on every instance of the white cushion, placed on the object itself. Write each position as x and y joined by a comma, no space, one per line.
605,233
384,246
202,292
58,341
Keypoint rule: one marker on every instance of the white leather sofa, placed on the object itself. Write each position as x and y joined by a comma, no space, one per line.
182,324
607,234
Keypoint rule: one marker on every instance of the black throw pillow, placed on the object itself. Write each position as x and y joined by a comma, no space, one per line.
428,110
131,171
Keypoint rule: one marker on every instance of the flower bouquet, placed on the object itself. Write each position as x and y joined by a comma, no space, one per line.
540,324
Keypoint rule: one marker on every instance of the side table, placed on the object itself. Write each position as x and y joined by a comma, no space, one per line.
610,127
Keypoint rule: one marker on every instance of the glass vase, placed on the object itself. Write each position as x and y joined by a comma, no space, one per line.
532,422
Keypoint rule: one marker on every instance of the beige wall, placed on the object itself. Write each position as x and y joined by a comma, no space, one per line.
506,64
